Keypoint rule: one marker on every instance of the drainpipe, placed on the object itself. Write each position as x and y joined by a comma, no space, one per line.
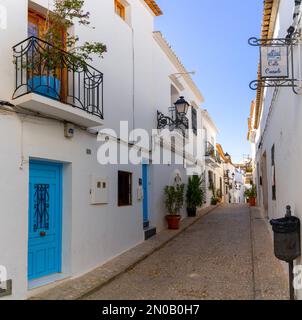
296,18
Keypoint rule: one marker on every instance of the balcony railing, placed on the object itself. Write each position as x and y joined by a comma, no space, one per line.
48,71
212,154
210,150
218,158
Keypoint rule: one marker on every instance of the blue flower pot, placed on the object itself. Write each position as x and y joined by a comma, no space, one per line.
48,86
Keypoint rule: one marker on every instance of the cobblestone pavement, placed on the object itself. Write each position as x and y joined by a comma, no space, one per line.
213,259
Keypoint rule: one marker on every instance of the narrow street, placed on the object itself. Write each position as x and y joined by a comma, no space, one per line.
224,255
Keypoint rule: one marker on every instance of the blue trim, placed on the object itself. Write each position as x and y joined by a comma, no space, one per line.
145,174
58,230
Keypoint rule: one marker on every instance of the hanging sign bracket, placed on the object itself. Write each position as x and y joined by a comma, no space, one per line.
277,67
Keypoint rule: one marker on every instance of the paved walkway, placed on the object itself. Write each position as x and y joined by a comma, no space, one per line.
77,288
224,255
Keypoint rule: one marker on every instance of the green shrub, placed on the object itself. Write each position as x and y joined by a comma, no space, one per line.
195,193
174,198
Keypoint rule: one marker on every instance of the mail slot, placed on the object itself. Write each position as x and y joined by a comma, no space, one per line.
287,244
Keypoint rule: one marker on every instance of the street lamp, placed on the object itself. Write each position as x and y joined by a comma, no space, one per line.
178,120
181,106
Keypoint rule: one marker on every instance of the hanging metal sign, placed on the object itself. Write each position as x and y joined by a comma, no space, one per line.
276,63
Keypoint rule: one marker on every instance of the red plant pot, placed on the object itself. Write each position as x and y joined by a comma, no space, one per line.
173,222
252,202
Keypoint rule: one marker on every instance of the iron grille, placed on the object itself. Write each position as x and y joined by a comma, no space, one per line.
43,69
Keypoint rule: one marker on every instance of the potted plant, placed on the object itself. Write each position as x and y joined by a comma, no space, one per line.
251,195
174,202
44,63
214,199
194,195
219,195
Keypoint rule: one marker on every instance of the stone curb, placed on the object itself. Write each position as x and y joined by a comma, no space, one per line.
83,286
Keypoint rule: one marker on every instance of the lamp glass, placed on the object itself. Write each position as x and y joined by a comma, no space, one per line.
181,106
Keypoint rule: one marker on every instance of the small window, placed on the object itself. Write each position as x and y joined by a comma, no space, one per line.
124,188
211,179
194,121
120,9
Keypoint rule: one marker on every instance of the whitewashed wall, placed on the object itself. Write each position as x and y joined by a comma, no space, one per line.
283,130
91,234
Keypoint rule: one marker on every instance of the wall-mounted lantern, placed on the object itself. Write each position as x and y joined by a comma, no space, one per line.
178,119
277,67
181,106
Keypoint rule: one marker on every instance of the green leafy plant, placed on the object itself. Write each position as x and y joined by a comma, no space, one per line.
214,201
56,32
219,195
251,192
174,198
194,194
214,198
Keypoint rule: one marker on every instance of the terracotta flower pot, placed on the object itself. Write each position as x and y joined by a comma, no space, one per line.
173,221
252,202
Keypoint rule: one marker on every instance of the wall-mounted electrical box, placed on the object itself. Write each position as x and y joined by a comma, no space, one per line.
69,130
99,190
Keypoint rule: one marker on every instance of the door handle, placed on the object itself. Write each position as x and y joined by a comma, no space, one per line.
42,234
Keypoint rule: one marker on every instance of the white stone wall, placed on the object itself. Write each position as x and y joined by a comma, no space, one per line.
136,85
281,127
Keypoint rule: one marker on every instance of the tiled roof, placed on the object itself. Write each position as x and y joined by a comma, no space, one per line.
268,24
250,119
222,154
154,7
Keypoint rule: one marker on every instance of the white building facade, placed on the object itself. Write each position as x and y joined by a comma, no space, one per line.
53,185
213,163
275,127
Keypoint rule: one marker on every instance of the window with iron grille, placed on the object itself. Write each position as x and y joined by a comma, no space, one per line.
194,121
274,196
211,179
124,188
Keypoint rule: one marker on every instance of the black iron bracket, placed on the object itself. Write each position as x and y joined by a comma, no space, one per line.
268,82
180,122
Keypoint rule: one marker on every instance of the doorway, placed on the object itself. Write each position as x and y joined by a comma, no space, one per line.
264,182
45,219
145,172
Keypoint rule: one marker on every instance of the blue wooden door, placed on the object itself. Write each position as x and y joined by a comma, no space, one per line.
45,219
145,190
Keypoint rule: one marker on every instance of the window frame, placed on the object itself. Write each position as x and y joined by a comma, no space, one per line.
120,197
273,164
211,178
194,120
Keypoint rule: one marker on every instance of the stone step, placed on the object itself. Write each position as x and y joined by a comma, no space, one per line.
149,232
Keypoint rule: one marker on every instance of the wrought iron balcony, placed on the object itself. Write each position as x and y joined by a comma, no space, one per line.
47,71
212,155
218,159
210,150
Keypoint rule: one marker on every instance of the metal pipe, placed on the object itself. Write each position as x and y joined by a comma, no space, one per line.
291,280
290,264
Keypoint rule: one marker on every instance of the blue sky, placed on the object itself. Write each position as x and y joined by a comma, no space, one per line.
211,37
